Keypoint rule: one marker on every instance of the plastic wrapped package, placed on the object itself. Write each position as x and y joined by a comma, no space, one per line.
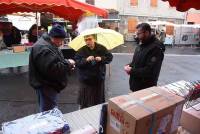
49,122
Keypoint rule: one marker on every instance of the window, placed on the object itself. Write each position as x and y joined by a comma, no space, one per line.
154,3
190,23
132,23
134,2
169,30
90,2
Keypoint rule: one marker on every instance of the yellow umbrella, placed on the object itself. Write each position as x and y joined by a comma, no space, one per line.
107,37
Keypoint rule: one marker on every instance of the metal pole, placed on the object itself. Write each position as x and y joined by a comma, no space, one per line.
37,23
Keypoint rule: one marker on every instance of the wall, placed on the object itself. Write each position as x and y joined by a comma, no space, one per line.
106,4
144,8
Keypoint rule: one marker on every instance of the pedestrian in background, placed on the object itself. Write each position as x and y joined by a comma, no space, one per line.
2,44
32,34
11,34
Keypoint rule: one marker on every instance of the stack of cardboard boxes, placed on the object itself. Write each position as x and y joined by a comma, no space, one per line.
149,111
190,119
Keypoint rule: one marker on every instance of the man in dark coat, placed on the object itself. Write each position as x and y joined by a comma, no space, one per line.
12,35
48,69
91,60
146,64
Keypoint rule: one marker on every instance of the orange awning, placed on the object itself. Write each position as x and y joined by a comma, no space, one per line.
68,9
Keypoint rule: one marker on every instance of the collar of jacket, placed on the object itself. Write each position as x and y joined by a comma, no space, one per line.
148,41
95,46
47,38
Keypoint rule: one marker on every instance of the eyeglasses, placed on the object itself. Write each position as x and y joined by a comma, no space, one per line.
88,39
139,33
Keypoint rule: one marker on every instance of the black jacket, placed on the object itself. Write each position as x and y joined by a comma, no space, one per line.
13,38
47,66
91,71
146,64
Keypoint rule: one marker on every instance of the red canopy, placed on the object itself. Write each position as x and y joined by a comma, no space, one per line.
184,5
68,9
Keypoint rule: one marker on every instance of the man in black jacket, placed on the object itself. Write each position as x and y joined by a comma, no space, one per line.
90,61
48,69
145,67
12,35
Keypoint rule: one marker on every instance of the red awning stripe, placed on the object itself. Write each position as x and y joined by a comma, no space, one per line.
68,9
184,5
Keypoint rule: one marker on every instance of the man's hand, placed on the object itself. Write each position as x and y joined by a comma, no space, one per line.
90,58
98,59
127,69
72,63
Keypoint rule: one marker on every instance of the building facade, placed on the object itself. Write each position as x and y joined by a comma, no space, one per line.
132,12
113,20
193,16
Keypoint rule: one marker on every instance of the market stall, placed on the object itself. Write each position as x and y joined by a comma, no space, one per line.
9,58
166,113
71,10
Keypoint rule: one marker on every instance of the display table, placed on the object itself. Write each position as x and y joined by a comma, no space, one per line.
91,116
10,59
81,118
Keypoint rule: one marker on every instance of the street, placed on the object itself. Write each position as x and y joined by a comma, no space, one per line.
18,99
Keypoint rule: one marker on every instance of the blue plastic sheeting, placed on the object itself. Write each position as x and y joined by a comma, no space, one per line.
10,59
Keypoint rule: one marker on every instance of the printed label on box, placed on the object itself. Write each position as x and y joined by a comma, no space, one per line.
176,117
114,123
163,124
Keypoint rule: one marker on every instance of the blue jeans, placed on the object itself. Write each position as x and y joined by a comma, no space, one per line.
47,98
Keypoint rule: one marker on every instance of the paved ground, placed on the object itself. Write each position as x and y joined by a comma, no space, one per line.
17,98
129,47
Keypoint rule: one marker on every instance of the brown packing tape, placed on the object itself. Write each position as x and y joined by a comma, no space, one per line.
163,95
133,101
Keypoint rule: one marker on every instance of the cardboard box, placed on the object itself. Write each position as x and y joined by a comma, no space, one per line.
190,120
149,111
18,49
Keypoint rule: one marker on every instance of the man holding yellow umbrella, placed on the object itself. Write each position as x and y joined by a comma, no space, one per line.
92,55
91,60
